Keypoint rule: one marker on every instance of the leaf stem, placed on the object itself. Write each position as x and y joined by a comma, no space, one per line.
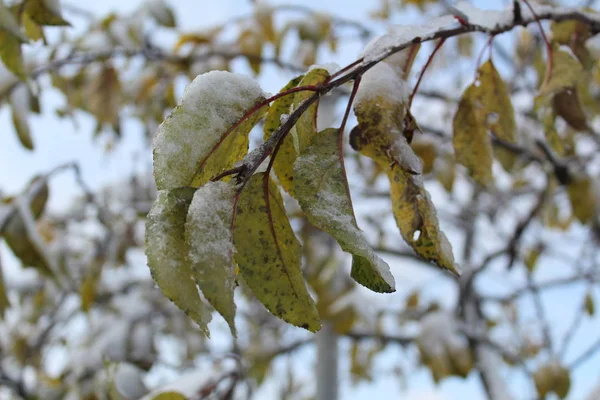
427,64
546,41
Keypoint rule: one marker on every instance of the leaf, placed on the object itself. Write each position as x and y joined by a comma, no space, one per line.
87,290
208,234
284,169
379,136
417,219
162,13
568,105
167,253
583,199
264,17
552,378
15,231
589,304
251,43
19,100
269,255
472,144
323,193
10,53
169,396
33,30
302,132
204,135
104,96
4,302
566,72
10,25
45,12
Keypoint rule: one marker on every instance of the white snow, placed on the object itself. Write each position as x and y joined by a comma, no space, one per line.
330,67
128,381
211,103
401,34
488,19
382,81
404,154
188,385
439,331
488,363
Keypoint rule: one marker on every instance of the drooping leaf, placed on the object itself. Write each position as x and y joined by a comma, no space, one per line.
103,96
4,302
472,143
302,132
284,163
269,255
162,13
566,72
323,193
208,234
19,100
33,30
88,290
167,253
552,378
567,104
251,43
203,136
169,396
583,198
10,25
15,232
11,55
45,12
589,304
379,135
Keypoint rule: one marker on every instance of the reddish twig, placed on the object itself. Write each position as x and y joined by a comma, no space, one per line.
427,64
546,41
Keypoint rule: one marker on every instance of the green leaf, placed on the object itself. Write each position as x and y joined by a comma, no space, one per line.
45,12
472,143
567,104
589,305
10,53
204,135
269,255
4,302
302,132
20,100
208,234
167,253
169,396
15,232
323,193
583,198
162,14
552,378
284,162
10,25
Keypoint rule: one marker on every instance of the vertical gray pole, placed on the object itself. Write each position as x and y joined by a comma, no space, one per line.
327,363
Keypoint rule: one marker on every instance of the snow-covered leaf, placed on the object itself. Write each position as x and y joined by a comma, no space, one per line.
167,253
208,234
162,13
269,255
203,135
9,24
20,102
323,193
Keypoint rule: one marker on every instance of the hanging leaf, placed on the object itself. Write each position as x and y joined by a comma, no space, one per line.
323,193
284,162
167,253
583,198
162,13
10,53
567,104
104,96
10,25
566,72
15,232
552,378
88,290
251,43
4,302
205,134
302,132
589,305
20,103
472,143
269,255
208,234
45,12
33,30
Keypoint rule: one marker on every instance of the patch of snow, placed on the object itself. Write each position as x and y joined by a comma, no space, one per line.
404,154
128,381
382,80
210,104
488,363
488,19
330,67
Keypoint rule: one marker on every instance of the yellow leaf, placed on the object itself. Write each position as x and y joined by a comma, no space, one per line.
445,171
531,258
4,302
9,24
208,234
87,291
104,96
251,45
552,378
284,162
196,38
589,305
167,253
302,132
412,301
583,198
205,134
269,255
45,12
264,17
33,30
169,396
322,190
472,143
427,152
566,72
